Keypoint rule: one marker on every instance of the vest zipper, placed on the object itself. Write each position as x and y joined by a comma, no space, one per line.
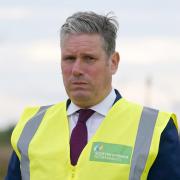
73,172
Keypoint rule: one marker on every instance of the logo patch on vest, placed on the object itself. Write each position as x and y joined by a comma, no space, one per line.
112,153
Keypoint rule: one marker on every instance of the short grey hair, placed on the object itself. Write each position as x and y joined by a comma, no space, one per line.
92,23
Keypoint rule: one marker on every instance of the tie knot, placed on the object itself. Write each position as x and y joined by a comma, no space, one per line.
84,115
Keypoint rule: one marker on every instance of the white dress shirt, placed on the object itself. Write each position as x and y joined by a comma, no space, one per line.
95,120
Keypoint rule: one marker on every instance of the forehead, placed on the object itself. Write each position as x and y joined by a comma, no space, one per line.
82,41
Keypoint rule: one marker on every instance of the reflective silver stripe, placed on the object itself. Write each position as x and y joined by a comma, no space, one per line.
25,139
143,142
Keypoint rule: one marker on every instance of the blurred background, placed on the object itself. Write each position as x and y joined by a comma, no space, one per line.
148,42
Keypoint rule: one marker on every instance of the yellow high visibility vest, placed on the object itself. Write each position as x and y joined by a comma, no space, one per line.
123,148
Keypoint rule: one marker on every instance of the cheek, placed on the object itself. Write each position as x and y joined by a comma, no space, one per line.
103,78
66,71
98,76
65,76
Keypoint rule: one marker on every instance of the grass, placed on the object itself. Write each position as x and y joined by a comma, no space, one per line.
5,152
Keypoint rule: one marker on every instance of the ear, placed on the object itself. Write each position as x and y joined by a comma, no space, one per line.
115,58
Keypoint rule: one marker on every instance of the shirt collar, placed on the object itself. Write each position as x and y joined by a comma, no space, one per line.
101,108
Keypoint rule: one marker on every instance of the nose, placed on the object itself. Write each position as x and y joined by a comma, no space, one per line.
77,69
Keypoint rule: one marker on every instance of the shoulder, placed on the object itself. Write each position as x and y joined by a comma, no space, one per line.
31,111
162,115
167,163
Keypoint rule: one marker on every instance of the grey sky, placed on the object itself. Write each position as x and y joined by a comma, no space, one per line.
148,41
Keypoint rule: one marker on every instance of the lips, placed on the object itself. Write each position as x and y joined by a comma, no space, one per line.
78,83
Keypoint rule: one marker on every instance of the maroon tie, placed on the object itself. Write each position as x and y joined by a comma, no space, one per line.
79,135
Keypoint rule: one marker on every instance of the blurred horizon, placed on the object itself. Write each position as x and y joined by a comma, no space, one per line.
148,42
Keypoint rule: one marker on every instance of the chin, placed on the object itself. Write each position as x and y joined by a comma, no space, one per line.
80,97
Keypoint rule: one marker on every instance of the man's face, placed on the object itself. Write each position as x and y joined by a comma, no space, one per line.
86,68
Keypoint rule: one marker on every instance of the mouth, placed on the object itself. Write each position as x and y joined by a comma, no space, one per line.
79,84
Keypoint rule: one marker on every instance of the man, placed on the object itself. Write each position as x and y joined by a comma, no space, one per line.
96,134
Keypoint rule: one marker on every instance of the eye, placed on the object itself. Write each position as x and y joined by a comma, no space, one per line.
89,59
69,58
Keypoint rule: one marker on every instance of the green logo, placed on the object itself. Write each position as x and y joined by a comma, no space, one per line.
112,153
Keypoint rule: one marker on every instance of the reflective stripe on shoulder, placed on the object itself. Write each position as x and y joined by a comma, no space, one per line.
143,142
26,137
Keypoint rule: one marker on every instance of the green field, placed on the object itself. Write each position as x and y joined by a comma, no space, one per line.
5,152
